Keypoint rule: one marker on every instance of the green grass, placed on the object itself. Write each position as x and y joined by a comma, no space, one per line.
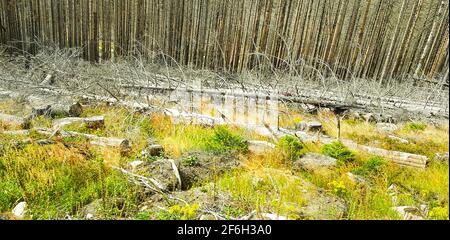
55,181
263,191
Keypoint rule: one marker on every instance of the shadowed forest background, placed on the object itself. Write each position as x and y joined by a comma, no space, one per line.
374,39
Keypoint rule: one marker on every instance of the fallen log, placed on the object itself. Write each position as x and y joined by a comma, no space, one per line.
65,108
123,144
90,122
15,120
364,103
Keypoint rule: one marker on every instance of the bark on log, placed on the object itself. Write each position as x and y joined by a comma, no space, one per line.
24,123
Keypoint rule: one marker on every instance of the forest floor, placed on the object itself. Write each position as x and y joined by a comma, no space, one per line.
178,170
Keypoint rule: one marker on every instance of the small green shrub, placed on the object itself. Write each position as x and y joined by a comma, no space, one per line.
224,140
373,165
291,148
339,151
190,161
177,212
416,126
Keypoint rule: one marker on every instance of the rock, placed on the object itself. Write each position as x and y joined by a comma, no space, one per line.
163,172
356,178
386,127
314,162
441,157
152,150
313,126
398,139
20,210
411,212
260,147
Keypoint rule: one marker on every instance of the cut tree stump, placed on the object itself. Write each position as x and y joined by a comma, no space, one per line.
90,122
24,123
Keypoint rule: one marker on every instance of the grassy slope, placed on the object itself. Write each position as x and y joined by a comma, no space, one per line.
57,181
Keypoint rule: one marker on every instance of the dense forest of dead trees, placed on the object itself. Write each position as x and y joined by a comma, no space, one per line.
376,39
